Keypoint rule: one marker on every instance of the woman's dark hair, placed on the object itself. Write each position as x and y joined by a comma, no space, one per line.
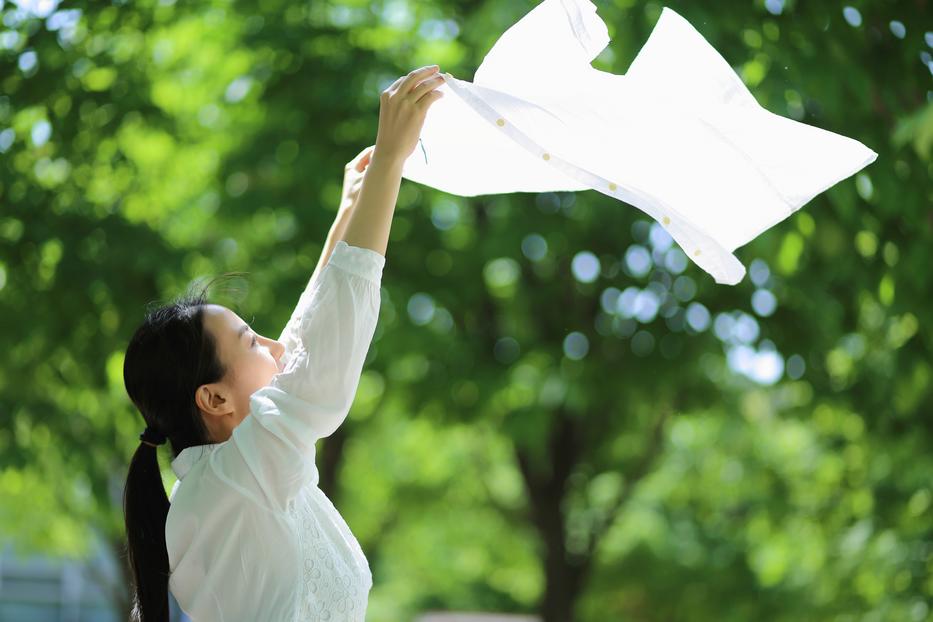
169,356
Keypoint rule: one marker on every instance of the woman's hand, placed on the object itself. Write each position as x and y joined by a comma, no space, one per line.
352,182
353,178
403,107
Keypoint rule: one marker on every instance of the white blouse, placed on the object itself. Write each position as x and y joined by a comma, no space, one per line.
250,535
679,136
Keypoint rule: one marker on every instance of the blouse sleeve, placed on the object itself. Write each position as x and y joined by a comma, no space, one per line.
336,319
290,336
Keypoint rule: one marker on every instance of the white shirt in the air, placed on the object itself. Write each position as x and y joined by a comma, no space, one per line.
250,535
678,136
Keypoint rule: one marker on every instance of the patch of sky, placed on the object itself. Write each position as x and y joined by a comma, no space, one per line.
238,89
698,317
675,260
759,272
736,327
764,366
585,267
421,308
41,132
764,302
898,29
37,8
438,29
445,213
852,16
637,260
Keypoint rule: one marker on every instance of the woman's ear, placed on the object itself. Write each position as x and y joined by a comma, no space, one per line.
212,400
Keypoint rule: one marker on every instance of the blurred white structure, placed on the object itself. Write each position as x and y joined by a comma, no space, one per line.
38,588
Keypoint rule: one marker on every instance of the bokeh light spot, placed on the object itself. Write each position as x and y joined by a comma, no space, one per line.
795,367
764,302
534,247
585,267
697,317
576,345
637,260
421,309
852,15
642,343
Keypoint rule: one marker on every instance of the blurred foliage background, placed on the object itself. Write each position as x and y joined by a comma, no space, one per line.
560,414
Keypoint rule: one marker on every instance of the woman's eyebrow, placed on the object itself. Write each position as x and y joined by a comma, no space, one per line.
242,330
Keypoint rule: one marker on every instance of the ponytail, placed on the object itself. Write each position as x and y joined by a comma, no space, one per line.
145,507
169,356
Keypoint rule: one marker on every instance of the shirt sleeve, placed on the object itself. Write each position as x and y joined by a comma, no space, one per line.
290,336
312,395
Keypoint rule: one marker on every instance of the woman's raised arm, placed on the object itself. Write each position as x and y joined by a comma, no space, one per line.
334,324
403,107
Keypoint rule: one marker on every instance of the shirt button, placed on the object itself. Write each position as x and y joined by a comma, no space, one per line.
546,156
500,122
666,220
612,186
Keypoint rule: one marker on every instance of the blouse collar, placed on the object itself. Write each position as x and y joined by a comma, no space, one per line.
189,456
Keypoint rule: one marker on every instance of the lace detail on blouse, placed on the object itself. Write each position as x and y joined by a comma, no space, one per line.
335,574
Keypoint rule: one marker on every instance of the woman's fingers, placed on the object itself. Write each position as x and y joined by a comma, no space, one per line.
427,85
415,77
402,112
394,86
403,84
429,98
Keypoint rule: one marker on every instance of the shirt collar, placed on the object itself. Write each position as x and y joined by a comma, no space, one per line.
189,456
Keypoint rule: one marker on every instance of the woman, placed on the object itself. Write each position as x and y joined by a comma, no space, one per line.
247,534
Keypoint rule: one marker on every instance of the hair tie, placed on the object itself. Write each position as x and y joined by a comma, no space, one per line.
152,437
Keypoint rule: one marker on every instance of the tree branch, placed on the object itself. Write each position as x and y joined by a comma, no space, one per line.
640,470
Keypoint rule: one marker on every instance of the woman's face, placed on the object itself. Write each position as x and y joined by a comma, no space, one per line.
251,361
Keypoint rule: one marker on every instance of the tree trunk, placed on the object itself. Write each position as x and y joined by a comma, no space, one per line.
546,490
